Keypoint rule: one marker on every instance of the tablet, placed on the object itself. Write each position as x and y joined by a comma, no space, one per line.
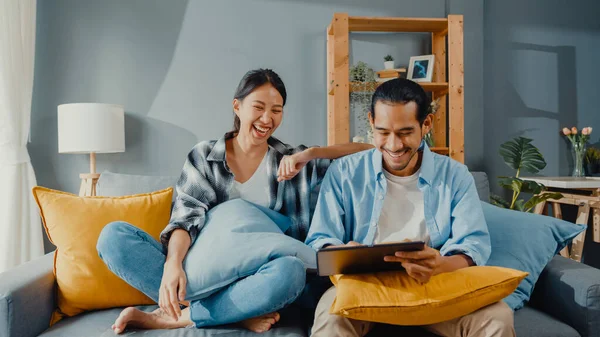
362,259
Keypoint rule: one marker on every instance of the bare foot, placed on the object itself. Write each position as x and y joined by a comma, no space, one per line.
158,319
262,323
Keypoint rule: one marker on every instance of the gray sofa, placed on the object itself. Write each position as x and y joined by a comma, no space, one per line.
565,302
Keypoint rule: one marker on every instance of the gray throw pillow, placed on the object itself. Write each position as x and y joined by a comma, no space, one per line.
483,185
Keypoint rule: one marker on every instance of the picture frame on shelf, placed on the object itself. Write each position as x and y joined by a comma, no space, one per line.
420,68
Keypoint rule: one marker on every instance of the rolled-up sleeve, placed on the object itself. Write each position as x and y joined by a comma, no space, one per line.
194,195
327,226
470,234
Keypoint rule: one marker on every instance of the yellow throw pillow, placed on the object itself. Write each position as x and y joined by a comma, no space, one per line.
73,225
396,298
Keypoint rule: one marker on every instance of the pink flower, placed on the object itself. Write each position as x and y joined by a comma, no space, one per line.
585,131
566,131
574,130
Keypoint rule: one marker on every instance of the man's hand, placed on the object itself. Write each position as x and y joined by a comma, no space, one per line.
420,265
289,166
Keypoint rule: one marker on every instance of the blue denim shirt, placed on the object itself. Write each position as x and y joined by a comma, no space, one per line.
354,188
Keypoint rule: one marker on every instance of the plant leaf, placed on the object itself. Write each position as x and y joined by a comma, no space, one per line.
499,201
536,199
519,205
530,186
519,154
511,183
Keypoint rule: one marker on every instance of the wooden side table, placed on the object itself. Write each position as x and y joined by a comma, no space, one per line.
582,192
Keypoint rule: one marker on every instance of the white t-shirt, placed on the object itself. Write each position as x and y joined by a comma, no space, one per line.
255,189
402,216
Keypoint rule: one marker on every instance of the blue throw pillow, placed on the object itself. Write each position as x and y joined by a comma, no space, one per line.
526,242
237,239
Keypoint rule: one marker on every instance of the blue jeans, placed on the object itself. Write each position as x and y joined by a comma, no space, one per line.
138,259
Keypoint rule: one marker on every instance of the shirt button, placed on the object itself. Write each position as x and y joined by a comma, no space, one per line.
373,224
380,196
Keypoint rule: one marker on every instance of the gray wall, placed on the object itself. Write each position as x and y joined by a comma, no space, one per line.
541,74
174,65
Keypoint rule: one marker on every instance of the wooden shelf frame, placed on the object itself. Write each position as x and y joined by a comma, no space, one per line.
437,88
448,76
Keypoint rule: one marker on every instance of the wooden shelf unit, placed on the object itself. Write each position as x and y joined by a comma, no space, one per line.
439,88
448,77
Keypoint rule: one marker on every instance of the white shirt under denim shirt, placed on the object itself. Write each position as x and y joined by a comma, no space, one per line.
403,212
352,196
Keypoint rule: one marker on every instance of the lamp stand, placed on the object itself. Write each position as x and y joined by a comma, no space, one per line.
89,180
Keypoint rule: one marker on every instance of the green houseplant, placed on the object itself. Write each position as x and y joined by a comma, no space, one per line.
433,107
522,156
362,86
592,160
388,62
361,73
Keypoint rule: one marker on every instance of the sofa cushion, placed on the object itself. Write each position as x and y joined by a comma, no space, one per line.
74,224
534,323
397,298
237,239
482,184
98,323
118,184
527,242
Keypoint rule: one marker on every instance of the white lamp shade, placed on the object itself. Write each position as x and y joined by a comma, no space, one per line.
91,127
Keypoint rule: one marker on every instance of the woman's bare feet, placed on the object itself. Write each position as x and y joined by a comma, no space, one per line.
158,319
262,323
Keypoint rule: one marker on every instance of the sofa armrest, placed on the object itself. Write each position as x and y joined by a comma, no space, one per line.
27,298
570,291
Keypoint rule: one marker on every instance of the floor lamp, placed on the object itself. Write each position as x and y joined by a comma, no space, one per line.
91,128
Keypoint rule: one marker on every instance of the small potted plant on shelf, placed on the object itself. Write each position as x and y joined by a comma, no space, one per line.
362,78
433,107
388,62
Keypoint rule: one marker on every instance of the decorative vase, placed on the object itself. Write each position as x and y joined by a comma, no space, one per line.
578,152
388,64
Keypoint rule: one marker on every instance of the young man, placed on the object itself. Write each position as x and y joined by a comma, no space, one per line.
399,191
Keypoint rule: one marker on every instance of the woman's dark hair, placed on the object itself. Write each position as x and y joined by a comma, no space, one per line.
401,90
252,80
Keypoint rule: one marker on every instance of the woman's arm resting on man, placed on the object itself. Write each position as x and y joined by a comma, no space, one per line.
291,165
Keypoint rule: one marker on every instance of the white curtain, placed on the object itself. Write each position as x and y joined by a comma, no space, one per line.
20,227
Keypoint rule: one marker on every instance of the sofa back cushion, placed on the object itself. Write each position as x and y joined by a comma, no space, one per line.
483,185
118,184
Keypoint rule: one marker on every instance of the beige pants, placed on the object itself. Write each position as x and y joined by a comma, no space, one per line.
496,320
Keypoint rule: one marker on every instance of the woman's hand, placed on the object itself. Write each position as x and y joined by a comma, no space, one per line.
291,165
172,288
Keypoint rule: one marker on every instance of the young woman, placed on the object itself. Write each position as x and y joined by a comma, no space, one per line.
246,163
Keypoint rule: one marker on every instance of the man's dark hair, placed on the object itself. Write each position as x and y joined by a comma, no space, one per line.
401,90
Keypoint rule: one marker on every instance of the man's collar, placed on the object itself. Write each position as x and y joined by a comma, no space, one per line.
426,172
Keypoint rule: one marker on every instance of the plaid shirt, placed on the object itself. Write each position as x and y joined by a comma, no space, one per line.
206,181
